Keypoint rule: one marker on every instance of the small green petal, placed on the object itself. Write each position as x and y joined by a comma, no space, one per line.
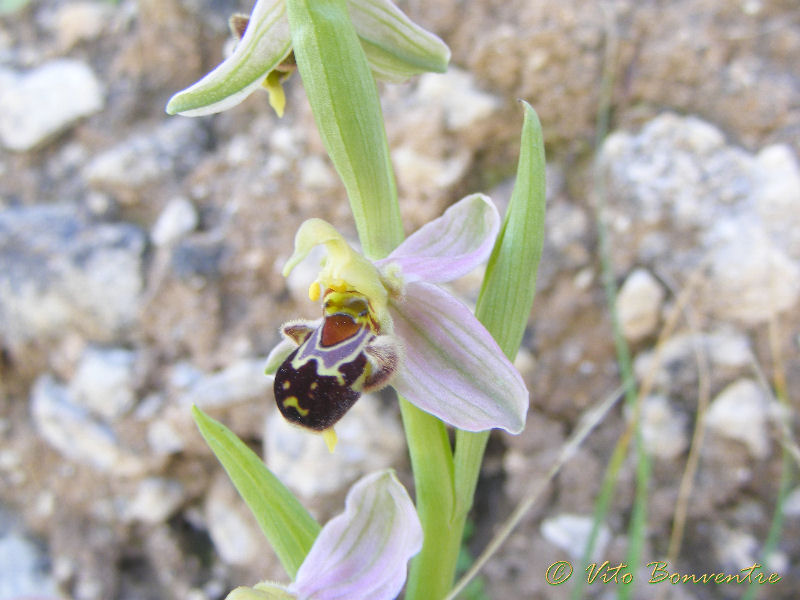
265,43
396,47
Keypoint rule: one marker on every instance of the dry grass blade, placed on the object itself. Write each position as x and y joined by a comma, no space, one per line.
703,399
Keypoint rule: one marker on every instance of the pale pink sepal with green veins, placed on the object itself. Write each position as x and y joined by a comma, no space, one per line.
361,554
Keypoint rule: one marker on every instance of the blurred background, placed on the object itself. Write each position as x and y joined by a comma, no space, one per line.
140,259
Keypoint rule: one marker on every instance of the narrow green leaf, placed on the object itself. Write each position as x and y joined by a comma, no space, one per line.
504,306
506,297
344,100
288,526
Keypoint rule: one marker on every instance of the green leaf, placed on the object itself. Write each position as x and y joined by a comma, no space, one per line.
503,307
506,297
288,526
344,100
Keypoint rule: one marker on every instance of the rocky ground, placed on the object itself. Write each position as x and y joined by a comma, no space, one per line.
140,260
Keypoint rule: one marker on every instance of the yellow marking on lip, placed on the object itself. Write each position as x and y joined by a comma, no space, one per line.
286,385
294,403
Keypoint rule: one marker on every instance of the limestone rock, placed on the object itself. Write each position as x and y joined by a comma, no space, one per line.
62,272
42,103
369,439
178,218
741,413
105,381
72,431
570,532
664,429
639,305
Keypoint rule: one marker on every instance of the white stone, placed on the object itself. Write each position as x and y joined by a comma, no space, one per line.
639,305
146,157
163,438
729,349
741,412
316,174
61,273
791,506
178,218
156,499
240,382
21,570
664,430
750,279
735,549
72,431
778,195
570,533
105,381
420,171
369,439
79,21
457,94
46,101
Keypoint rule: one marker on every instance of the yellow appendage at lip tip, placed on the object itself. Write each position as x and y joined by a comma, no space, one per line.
329,435
277,97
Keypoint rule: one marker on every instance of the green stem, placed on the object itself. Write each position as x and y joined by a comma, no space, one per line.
344,100
431,571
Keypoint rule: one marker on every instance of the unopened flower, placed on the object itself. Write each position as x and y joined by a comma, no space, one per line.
388,322
361,554
396,48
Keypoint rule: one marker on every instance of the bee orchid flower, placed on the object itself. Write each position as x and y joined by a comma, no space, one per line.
389,321
361,554
396,49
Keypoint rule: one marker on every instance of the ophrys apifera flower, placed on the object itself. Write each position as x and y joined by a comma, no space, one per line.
396,48
388,321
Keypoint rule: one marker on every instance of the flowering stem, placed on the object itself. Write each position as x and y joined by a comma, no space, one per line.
431,571
345,103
